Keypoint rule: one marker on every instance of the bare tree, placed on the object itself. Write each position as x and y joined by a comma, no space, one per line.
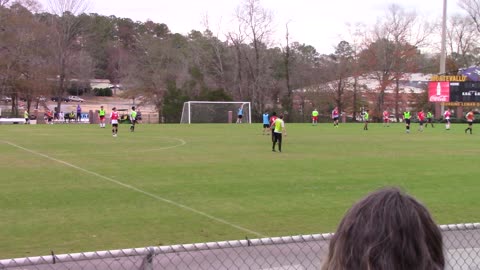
217,51
395,39
256,21
287,104
356,35
237,39
472,7
4,3
159,65
66,38
22,58
462,40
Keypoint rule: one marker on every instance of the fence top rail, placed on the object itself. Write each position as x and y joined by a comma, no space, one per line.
224,102
73,257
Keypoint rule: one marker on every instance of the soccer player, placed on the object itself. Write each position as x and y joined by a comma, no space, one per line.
406,116
314,117
101,115
114,121
421,119
266,123
429,119
272,121
386,114
240,115
366,117
470,117
279,130
446,115
335,115
133,119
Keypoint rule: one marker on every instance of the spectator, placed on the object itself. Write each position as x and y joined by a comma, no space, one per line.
139,116
49,116
79,113
388,229
61,116
71,116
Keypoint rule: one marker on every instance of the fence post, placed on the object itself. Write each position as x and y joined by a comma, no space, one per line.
147,263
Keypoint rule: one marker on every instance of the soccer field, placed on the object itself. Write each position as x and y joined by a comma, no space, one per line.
73,188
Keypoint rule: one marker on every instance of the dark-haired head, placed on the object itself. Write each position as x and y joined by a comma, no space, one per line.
388,229
274,113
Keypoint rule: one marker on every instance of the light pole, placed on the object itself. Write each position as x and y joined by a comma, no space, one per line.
443,53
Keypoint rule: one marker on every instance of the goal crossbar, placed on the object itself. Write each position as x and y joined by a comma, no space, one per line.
217,112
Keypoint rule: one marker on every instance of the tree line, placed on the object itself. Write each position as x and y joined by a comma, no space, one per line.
45,53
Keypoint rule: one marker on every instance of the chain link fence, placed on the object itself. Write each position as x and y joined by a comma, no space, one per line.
304,252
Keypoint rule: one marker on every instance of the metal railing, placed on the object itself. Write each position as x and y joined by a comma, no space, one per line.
303,252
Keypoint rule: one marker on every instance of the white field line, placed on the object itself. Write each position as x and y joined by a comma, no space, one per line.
182,143
139,190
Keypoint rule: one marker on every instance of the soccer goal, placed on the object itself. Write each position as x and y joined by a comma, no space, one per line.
215,112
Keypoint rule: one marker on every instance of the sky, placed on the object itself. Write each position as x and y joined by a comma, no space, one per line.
320,23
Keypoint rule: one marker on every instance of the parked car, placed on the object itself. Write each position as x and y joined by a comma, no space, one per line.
5,99
76,99
392,118
65,99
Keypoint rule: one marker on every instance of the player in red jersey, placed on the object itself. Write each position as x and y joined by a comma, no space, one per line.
421,120
335,116
114,121
386,114
446,115
470,117
272,120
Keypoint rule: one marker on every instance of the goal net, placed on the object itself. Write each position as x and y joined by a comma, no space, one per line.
215,112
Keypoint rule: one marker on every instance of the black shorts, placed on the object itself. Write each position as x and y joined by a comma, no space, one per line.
266,125
277,137
407,121
470,123
429,120
114,125
240,116
335,118
420,122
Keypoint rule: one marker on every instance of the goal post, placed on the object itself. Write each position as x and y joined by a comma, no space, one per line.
215,112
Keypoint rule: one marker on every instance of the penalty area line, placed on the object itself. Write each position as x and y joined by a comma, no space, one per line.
151,195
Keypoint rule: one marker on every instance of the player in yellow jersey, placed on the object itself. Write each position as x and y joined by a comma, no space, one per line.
278,131
366,118
133,119
314,117
101,115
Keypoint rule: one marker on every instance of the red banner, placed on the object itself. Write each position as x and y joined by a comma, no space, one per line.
439,91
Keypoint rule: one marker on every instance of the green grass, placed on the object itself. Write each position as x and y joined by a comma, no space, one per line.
74,188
